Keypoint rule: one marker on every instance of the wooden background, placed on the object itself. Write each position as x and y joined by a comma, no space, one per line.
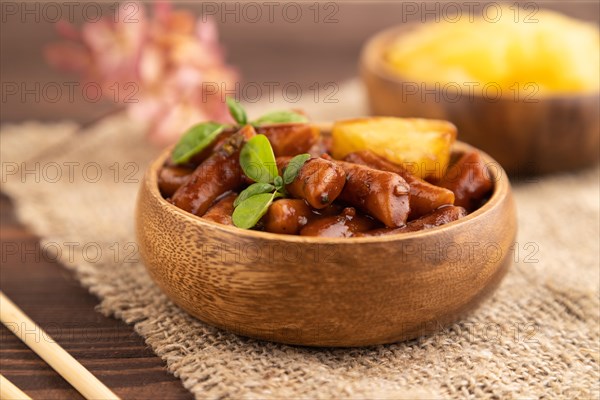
306,52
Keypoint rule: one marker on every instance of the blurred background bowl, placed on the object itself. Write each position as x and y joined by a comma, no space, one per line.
527,135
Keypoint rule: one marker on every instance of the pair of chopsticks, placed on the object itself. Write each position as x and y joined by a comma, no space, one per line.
72,371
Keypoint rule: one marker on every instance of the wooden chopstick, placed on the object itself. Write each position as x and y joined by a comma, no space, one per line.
8,390
51,352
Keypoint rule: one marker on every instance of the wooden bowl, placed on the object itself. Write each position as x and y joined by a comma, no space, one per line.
528,135
322,291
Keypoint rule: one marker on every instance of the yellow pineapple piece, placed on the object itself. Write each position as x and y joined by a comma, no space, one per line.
555,53
420,145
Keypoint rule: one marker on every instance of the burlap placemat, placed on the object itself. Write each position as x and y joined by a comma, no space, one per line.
537,336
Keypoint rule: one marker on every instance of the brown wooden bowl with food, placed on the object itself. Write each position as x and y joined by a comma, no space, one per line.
526,132
395,259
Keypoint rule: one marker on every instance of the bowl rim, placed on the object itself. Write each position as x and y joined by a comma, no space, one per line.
500,192
371,58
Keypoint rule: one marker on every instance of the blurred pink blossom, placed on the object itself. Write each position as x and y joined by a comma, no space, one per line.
172,58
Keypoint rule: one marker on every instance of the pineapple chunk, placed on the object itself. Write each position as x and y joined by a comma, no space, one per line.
558,54
420,145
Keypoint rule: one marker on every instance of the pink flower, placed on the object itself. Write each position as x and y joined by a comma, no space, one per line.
170,57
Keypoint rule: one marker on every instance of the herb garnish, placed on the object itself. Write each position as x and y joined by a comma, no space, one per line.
237,111
195,140
279,117
199,136
258,163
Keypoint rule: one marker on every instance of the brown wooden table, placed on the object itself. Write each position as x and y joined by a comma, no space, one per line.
51,296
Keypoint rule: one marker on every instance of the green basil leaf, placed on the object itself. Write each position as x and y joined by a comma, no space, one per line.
278,182
236,111
291,170
195,140
251,210
257,160
252,190
279,117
